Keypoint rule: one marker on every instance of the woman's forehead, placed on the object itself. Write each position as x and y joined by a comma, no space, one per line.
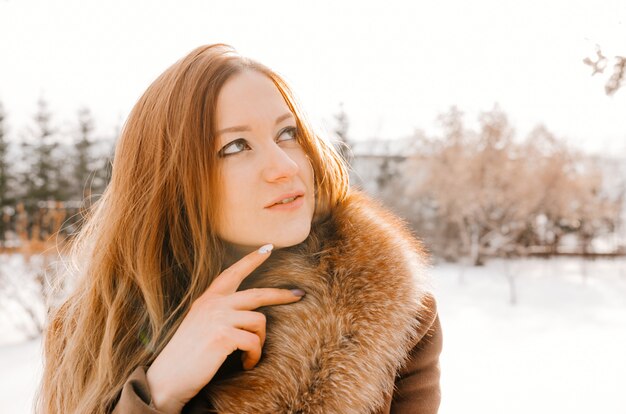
249,97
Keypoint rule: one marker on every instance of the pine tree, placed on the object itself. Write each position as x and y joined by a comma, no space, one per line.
107,169
341,130
40,180
103,165
5,178
83,165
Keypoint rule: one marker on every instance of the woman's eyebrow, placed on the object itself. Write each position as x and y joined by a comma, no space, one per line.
247,128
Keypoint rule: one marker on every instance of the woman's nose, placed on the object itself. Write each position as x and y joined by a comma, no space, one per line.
279,164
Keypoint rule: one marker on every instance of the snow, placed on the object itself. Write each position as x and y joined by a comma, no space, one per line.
19,376
561,348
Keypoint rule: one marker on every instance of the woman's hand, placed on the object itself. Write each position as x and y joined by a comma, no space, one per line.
220,321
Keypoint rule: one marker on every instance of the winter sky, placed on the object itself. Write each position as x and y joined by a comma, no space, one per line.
394,65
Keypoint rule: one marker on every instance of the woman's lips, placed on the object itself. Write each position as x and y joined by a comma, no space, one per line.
293,194
293,205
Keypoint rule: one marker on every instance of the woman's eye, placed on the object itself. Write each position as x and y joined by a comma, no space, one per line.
287,134
234,147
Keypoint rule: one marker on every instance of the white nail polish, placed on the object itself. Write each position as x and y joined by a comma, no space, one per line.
266,248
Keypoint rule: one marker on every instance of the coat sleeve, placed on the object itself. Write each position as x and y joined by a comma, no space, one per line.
135,397
417,384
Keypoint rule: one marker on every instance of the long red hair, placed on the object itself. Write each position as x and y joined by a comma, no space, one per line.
148,248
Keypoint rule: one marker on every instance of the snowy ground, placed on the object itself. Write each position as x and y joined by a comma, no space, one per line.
560,349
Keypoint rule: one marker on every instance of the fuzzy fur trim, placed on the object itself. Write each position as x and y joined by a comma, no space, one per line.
339,348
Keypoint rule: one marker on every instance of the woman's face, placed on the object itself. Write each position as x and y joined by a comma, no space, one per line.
260,164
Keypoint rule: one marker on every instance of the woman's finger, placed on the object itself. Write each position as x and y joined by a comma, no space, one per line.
250,344
254,322
254,298
229,280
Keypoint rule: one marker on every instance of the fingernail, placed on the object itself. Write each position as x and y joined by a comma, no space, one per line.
266,248
298,292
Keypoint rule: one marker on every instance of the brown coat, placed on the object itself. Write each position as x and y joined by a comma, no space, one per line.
366,337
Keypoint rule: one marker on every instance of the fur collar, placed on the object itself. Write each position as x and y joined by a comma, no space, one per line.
338,349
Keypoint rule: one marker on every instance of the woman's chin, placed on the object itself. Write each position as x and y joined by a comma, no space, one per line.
287,240
279,241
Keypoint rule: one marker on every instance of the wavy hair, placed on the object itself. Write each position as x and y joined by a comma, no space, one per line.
148,247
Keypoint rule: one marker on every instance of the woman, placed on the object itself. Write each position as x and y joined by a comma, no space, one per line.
230,268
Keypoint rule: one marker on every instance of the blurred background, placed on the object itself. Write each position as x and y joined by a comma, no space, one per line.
496,129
